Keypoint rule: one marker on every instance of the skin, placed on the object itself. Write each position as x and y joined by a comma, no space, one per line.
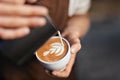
76,28
17,1
15,20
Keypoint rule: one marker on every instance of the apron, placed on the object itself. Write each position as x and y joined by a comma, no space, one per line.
58,11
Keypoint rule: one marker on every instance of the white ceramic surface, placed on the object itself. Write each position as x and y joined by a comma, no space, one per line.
57,65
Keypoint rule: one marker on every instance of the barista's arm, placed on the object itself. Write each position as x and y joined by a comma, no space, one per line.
77,27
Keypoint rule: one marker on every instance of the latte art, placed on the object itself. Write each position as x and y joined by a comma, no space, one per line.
54,54
56,48
52,50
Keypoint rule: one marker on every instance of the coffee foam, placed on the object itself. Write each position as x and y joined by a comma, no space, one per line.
56,48
52,50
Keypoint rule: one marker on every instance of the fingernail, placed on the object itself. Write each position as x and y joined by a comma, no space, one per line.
41,10
25,31
72,50
44,10
41,21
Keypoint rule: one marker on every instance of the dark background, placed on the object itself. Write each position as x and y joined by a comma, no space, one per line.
99,58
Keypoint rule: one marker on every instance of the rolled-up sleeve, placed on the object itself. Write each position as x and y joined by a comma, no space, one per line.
78,7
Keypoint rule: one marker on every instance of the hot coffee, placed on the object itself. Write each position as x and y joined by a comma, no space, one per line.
52,50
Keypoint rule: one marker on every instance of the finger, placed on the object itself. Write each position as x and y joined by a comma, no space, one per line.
65,73
13,1
75,43
75,48
13,33
7,21
22,10
64,34
31,1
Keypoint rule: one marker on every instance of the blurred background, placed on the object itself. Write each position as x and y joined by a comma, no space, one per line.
104,9
99,58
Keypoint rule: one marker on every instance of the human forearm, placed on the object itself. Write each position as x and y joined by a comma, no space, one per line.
76,28
78,25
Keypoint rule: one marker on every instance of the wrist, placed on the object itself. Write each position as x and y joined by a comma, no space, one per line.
79,24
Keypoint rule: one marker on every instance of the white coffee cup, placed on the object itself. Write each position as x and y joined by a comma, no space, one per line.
59,64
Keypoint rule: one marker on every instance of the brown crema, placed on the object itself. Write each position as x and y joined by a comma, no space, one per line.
47,46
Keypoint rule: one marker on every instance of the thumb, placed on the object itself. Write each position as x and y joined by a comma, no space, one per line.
75,46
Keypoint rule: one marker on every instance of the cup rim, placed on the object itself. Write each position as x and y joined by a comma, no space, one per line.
59,59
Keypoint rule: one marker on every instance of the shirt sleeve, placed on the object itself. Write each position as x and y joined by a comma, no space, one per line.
78,7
